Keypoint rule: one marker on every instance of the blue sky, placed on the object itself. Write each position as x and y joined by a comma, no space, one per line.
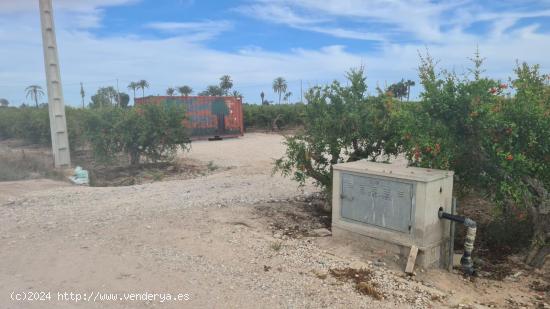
186,42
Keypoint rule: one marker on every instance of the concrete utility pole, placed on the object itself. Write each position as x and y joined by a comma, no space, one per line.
56,105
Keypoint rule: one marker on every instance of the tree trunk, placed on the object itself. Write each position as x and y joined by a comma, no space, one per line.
540,246
540,216
134,157
274,124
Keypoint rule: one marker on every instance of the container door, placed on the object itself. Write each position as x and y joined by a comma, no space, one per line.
376,201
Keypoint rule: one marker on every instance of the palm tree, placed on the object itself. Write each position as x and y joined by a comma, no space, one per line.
82,93
237,94
110,92
213,91
35,92
170,91
279,86
226,83
133,86
287,96
142,84
409,83
185,90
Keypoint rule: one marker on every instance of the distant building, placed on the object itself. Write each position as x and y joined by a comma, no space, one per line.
4,103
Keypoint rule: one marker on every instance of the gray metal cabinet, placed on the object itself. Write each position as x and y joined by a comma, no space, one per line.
377,201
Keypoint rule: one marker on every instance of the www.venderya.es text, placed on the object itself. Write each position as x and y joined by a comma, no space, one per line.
94,296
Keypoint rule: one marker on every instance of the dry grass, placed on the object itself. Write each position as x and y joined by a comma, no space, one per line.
368,289
276,246
361,278
20,165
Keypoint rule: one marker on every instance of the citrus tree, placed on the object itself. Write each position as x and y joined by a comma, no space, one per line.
153,132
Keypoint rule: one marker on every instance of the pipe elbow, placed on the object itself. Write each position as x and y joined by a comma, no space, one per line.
471,229
470,223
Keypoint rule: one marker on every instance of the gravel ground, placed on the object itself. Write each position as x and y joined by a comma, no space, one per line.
203,237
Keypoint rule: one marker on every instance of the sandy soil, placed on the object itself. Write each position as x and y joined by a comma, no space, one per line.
208,237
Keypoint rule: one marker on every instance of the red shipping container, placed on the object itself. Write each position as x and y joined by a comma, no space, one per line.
206,116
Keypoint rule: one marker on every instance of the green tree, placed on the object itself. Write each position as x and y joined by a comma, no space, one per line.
262,96
237,94
494,141
398,90
341,123
521,156
170,91
279,86
264,116
142,84
82,94
153,132
108,96
133,86
478,61
35,92
226,83
287,96
409,83
212,90
124,99
101,99
185,90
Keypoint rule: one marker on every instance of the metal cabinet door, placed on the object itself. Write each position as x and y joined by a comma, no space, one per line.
377,201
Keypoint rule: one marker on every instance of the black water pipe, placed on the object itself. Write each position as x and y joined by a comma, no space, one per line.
471,228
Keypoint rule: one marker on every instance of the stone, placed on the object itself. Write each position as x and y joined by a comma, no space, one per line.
322,232
358,265
379,263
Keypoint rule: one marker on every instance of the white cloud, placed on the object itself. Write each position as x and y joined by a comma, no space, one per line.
193,31
423,20
181,59
284,15
18,6
76,13
420,17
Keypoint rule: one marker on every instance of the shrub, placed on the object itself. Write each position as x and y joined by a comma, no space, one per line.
264,116
151,131
445,129
492,140
33,125
340,124
154,132
76,121
7,121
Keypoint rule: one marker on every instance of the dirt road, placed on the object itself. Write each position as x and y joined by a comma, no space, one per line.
204,238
